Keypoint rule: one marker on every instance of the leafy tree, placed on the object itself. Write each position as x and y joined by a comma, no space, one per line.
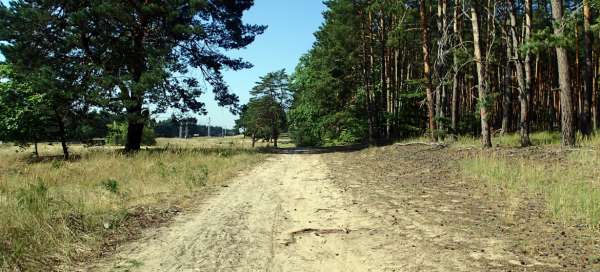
272,95
253,120
136,52
41,50
327,91
23,118
92,124
257,119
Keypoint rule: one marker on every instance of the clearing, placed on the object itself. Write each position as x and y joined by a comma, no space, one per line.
396,208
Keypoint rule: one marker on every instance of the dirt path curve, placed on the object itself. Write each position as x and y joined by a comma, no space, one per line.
285,215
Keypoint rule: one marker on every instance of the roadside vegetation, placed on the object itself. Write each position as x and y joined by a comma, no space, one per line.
566,181
54,211
569,188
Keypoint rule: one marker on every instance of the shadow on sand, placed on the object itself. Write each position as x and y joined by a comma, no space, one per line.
314,150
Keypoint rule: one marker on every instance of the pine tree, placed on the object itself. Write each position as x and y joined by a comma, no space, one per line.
139,53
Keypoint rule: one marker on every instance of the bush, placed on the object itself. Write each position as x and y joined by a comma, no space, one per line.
117,134
111,185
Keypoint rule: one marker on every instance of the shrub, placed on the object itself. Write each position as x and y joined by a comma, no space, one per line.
111,185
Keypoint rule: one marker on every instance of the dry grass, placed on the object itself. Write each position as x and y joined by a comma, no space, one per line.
544,138
238,142
570,188
54,210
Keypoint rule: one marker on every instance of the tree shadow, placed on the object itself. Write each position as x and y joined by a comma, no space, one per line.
51,158
314,150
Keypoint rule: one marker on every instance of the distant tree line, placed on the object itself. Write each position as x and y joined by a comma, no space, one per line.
67,59
388,69
188,127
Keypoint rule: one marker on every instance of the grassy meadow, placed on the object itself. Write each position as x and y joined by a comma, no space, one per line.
54,211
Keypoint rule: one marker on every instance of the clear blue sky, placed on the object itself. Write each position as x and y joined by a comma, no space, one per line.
291,24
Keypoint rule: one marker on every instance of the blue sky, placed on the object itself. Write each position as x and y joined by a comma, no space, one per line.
291,24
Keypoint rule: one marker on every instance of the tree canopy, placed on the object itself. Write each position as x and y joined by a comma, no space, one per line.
382,70
127,55
265,114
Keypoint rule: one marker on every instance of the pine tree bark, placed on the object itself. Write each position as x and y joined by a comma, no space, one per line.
135,127
586,117
507,94
564,79
527,65
523,92
486,139
456,64
441,67
427,67
367,64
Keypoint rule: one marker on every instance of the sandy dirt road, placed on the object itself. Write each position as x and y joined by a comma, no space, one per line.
284,215
288,214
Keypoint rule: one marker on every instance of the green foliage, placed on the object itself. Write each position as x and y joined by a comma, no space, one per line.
265,114
117,134
135,54
24,114
110,185
327,100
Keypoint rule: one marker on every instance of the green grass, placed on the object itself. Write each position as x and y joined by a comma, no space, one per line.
570,189
54,211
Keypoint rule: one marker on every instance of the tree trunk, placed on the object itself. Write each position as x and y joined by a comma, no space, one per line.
368,64
135,124
596,94
507,94
586,117
35,149
481,76
564,79
63,137
275,136
441,100
456,64
528,70
427,68
523,95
